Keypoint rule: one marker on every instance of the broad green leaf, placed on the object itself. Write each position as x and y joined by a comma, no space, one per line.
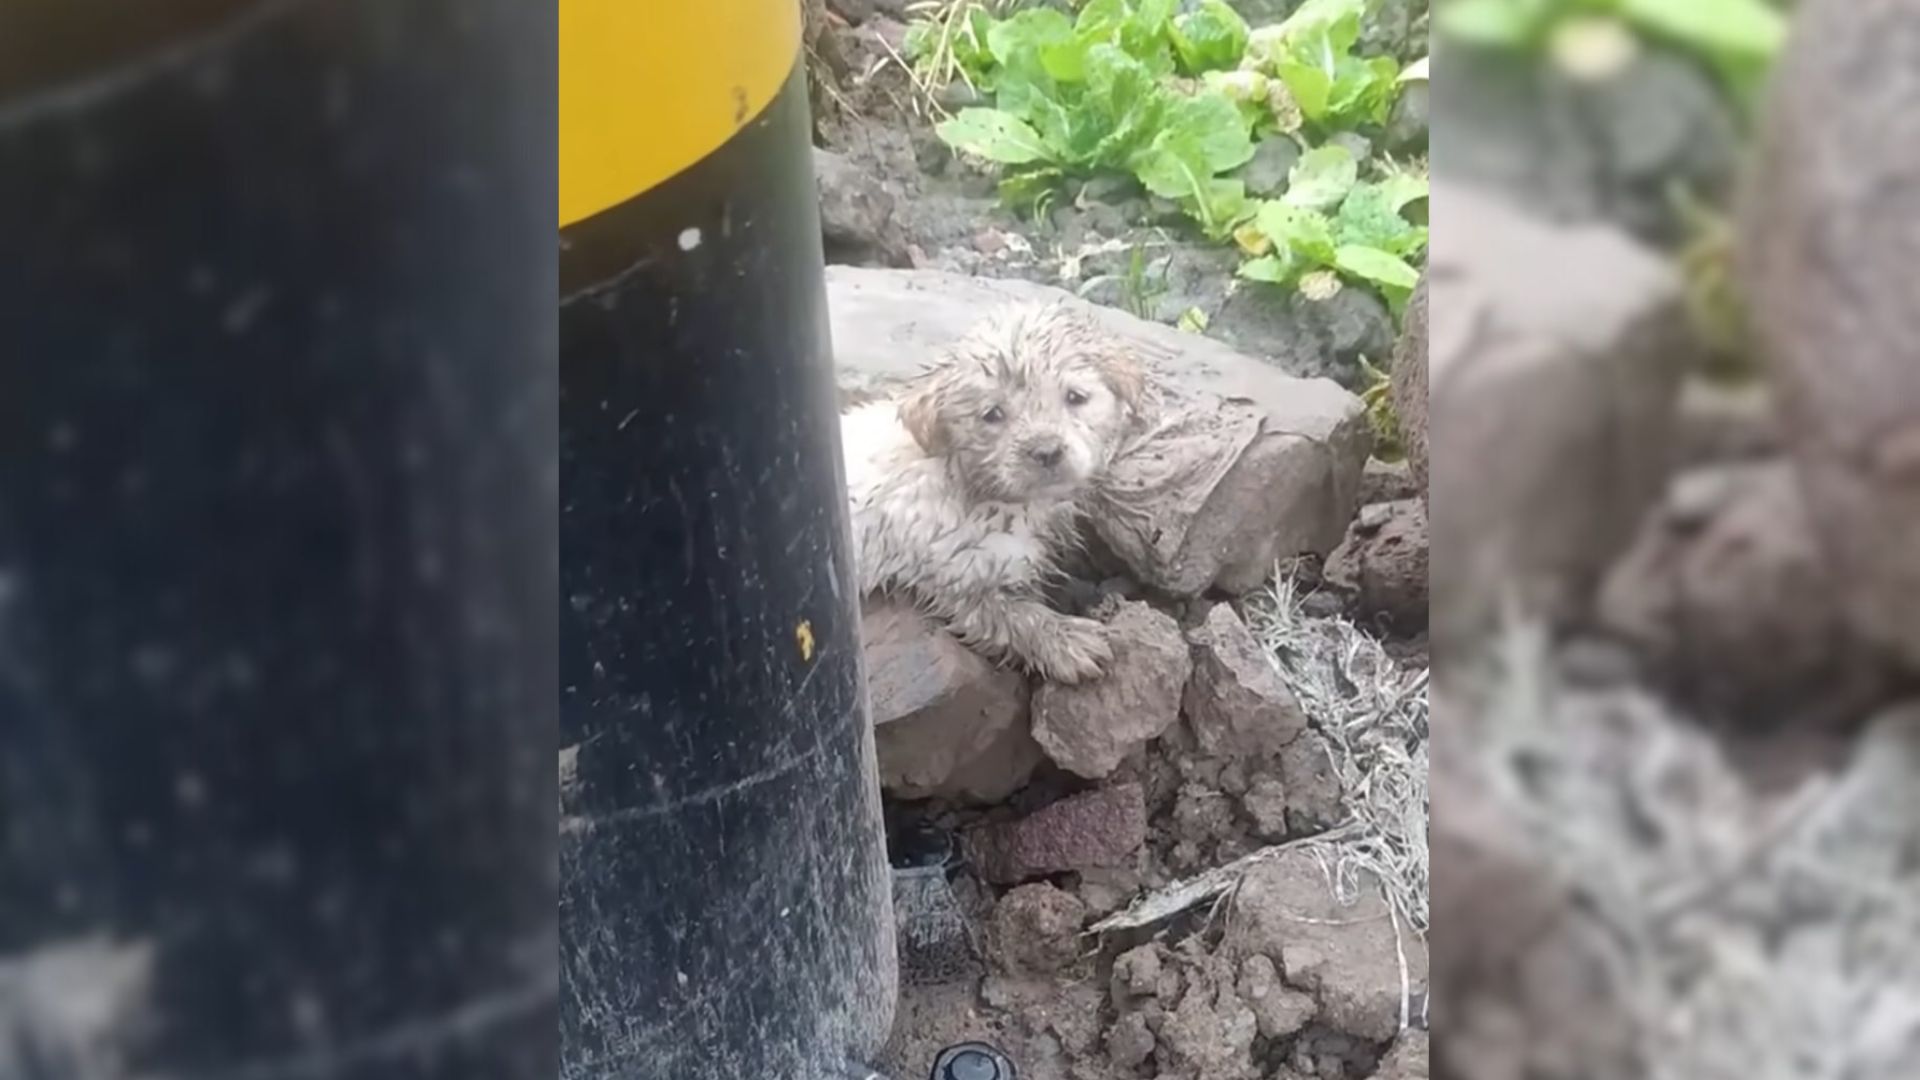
1307,234
1375,265
1727,28
1508,24
1327,27
994,135
1174,167
1145,34
1368,218
1122,108
919,41
1100,20
1221,207
1361,86
1066,60
1401,189
1217,126
1211,38
1322,177
1310,87
1017,42
1272,269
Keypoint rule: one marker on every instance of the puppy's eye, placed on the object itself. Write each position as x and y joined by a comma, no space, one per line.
1076,397
993,415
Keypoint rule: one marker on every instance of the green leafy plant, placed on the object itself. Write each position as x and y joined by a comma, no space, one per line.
1330,220
1080,96
1311,55
1376,393
1738,38
1175,99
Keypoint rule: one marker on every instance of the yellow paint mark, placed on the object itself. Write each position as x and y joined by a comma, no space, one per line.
648,88
803,637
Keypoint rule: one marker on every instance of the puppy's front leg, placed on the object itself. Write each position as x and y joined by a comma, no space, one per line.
1059,647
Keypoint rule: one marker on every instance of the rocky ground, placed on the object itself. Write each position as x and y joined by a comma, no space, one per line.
1209,865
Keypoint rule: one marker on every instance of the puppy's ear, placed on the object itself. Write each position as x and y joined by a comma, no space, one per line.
1125,376
920,414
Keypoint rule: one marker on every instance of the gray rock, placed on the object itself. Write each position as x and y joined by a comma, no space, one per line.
1305,337
857,215
1314,795
1266,175
1728,592
1389,481
1097,829
1408,125
1236,704
1088,729
1721,423
1394,28
1828,269
1556,354
1347,958
1409,389
1584,150
1035,929
1290,489
1280,1010
1355,143
1383,563
1130,1042
946,722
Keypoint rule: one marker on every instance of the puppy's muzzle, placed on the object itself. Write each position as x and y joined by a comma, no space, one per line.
1047,453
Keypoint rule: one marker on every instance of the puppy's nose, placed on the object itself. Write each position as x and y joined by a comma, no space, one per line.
1048,454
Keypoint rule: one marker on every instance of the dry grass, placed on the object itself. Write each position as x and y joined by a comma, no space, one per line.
1372,712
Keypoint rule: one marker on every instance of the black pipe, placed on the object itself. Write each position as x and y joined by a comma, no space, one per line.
724,903
276,539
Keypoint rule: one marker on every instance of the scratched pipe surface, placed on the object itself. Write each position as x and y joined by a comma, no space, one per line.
724,891
277,637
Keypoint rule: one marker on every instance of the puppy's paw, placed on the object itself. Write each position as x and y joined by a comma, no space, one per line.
1072,650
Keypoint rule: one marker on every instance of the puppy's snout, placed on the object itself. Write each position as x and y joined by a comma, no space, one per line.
1047,453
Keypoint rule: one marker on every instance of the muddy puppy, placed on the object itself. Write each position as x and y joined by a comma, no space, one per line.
963,490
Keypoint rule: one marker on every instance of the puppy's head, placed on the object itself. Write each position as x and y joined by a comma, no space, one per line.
1030,405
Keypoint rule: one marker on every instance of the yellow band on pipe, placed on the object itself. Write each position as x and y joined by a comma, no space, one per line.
648,87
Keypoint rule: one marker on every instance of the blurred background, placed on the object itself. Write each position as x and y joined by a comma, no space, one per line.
1673,411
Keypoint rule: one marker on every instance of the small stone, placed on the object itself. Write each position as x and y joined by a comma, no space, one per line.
1314,796
1280,1010
1236,703
1383,561
1136,973
1266,803
1035,930
1130,1042
1266,174
1103,828
1355,143
1408,1060
1346,957
1090,728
